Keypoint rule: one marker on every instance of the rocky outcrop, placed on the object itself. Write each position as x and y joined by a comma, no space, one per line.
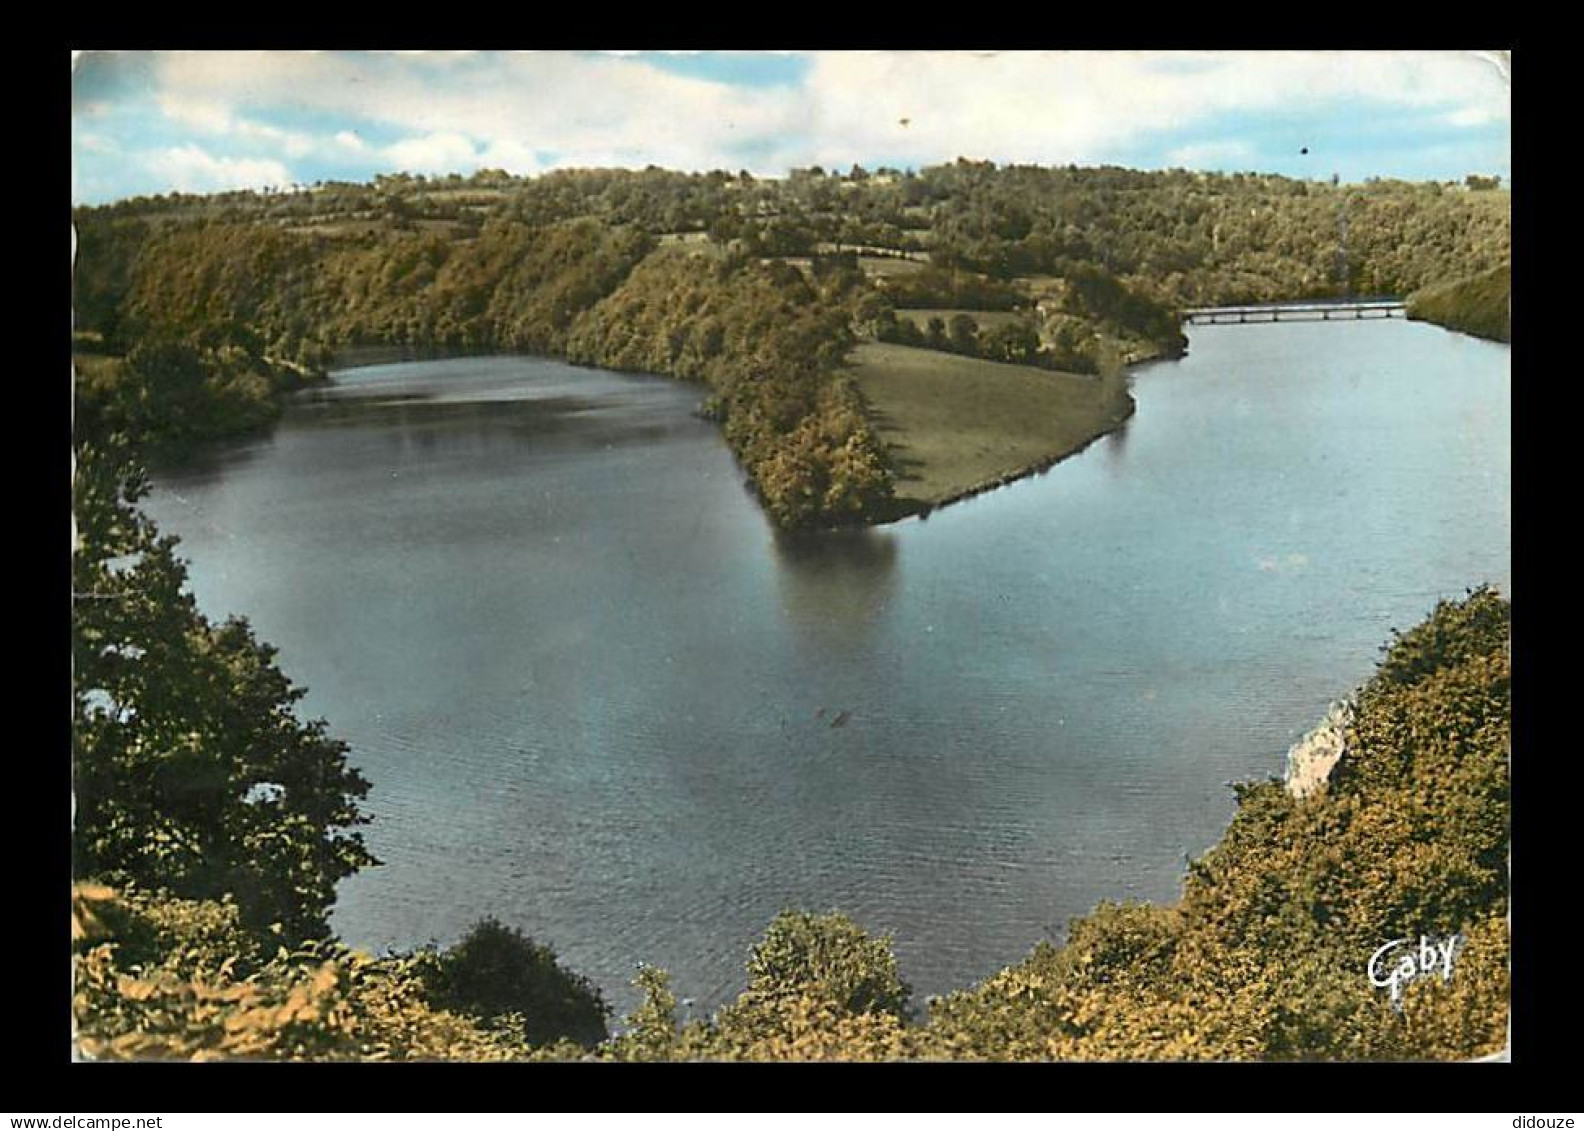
1312,758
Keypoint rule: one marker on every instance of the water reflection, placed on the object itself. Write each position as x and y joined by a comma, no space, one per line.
424,410
597,699
836,586
1114,443
424,420
206,464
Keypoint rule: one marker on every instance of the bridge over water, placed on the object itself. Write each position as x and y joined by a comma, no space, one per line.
1297,312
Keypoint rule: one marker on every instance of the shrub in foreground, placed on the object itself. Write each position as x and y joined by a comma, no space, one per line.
496,971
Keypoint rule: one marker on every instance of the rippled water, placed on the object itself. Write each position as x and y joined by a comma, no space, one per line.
600,699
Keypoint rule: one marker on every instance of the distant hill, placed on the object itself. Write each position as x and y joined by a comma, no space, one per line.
221,305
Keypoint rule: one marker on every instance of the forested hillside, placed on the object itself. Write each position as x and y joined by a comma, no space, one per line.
756,287
1481,305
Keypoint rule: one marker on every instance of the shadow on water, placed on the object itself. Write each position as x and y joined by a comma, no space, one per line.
1114,443
596,685
836,586
406,419
421,410
207,463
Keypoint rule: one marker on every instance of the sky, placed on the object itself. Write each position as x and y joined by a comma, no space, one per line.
154,122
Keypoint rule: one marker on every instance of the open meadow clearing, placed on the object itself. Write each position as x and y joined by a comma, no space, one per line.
956,425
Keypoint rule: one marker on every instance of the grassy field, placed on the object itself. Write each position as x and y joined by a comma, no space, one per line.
986,319
957,426
873,266
666,238
885,266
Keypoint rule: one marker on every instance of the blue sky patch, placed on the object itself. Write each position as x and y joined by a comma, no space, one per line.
1354,139
734,68
145,123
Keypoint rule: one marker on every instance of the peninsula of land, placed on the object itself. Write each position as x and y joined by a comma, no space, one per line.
872,343
957,426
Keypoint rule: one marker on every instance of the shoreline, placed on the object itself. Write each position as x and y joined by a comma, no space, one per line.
956,428
899,509
366,357
1132,363
923,509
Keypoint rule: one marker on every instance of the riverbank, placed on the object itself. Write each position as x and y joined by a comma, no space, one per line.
171,399
957,427
364,357
1480,305
1085,655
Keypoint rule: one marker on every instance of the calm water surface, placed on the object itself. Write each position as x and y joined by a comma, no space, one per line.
598,697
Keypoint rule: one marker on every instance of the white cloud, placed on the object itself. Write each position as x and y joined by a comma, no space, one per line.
435,58
435,153
511,155
291,142
189,168
214,116
1058,106
1016,107
1472,116
1211,155
459,110
197,110
590,110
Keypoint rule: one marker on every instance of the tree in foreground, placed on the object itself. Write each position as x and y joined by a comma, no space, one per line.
159,978
819,988
828,957
191,772
496,971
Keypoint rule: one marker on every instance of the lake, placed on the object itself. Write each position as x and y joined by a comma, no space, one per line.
600,699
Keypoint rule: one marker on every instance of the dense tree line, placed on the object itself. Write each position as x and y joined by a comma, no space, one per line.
1187,238
173,394
768,341
1097,260
1481,305
764,337
1017,342
939,288
1070,323
1179,237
